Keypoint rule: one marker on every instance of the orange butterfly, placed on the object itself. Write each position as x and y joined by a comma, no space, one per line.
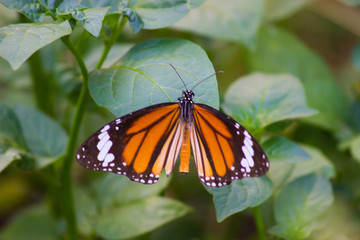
139,145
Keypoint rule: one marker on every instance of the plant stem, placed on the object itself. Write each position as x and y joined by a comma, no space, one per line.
114,36
66,188
65,177
259,223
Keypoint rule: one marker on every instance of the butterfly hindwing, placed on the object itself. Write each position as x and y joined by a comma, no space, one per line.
224,150
138,145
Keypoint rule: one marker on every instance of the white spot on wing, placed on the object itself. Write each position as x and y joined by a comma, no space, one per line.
103,141
109,158
245,164
248,144
105,128
247,134
248,156
102,154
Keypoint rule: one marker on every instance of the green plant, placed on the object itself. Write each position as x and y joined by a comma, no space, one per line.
73,62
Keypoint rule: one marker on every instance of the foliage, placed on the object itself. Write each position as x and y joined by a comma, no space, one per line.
67,65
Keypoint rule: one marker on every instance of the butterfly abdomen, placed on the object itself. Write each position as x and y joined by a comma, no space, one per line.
185,150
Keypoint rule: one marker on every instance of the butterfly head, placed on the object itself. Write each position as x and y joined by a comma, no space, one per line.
188,95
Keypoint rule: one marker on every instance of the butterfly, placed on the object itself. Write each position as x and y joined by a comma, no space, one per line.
141,144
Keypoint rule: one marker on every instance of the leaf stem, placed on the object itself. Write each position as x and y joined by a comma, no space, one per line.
259,223
65,177
114,36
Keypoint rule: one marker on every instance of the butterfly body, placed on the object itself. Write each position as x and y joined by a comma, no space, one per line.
139,145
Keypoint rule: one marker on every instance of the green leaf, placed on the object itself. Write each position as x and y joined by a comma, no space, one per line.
91,19
118,190
356,57
161,13
355,148
117,51
299,205
43,136
8,155
85,209
30,8
138,218
282,149
33,223
281,172
230,20
71,6
279,9
258,100
239,195
278,51
352,3
19,41
11,133
143,76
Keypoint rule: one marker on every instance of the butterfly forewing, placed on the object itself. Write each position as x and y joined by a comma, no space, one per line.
138,145
223,150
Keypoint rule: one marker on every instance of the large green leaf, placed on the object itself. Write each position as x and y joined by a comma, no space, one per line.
161,13
356,57
11,133
119,190
19,41
44,137
231,20
283,172
282,149
86,209
279,9
355,148
137,218
259,100
352,3
299,205
33,223
280,52
143,76
30,8
117,51
8,155
239,195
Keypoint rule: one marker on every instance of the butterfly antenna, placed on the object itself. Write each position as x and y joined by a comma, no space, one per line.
179,76
206,79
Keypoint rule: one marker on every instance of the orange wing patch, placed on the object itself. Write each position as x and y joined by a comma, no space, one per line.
150,118
169,151
212,146
144,135
214,121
